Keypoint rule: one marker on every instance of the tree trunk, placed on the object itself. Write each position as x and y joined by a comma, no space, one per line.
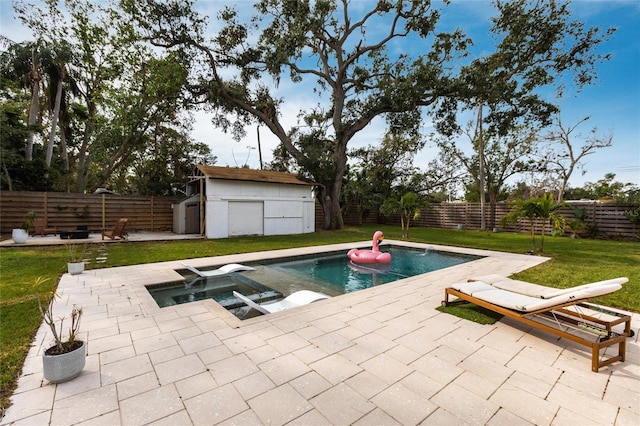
326,208
54,122
64,151
533,237
7,176
33,113
493,201
335,188
83,158
359,212
563,186
336,220
405,228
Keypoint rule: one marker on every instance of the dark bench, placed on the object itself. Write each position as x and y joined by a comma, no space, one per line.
80,233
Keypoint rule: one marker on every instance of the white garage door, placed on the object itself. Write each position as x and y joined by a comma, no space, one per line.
246,218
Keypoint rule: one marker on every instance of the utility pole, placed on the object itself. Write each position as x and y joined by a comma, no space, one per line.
483,224
259,147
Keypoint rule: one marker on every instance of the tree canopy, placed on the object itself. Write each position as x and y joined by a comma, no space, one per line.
566,153
97,100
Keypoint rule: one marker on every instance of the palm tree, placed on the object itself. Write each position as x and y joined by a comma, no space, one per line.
408,206
542,208
547,211
523,209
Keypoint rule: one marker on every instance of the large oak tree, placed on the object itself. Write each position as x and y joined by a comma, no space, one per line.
345,53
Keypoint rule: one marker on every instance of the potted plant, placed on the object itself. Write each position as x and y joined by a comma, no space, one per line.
20,235
75,265
66,358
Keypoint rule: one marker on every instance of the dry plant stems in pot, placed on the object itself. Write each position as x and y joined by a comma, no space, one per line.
66,358
76,258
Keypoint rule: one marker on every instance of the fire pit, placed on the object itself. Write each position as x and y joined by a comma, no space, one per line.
81,233
74,235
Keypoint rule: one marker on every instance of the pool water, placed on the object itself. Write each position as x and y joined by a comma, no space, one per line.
330,273
339,274
219,289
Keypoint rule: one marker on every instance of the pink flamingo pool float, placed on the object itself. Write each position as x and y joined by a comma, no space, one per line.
370,256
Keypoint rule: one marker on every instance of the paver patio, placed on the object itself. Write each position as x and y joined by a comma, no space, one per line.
380,356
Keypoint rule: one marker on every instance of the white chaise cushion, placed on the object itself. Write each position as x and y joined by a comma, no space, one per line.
523,303
536,290
472,287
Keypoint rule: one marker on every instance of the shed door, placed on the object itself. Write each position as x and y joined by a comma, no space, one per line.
192,225
246,218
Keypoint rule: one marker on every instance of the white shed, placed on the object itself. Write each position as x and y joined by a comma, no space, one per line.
254,202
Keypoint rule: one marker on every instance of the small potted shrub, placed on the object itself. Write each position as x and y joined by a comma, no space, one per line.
20,235
66,358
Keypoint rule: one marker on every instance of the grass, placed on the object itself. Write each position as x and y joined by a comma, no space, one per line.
471,312
574,261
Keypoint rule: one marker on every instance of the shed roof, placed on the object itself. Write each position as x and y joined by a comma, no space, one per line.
234,173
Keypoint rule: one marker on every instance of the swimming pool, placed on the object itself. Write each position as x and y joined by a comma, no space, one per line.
331,273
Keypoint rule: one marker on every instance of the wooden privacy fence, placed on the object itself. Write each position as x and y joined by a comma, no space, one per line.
150,213
609,219
96,211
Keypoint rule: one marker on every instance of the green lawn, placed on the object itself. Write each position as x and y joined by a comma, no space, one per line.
574,261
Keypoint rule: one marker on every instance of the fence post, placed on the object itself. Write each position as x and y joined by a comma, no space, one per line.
103,213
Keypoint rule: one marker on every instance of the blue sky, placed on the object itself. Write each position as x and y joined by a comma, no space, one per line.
612,103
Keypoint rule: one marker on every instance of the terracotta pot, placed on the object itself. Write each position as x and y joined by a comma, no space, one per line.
64,367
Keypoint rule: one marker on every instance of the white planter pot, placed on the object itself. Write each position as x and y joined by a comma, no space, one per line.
75,268
19,236
60,368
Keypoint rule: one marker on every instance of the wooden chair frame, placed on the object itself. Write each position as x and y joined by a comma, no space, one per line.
40,228
576,326
117,231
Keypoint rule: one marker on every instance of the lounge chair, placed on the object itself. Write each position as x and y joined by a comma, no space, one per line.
299,298
40,228
563,312
226,269
541,291
117,231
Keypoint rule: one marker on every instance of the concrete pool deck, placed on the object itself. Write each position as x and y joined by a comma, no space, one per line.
380,356
96,238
